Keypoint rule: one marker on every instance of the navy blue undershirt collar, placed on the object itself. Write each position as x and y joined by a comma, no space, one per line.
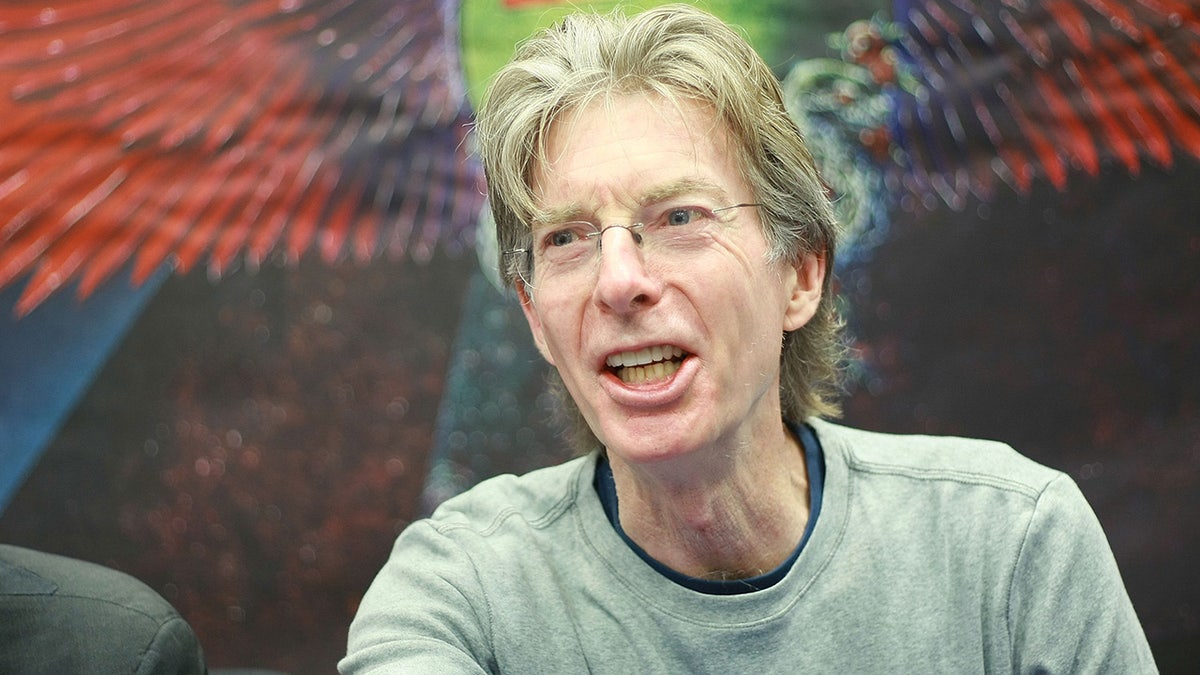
606,488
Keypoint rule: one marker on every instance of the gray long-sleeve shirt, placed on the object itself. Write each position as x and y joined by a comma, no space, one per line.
943,555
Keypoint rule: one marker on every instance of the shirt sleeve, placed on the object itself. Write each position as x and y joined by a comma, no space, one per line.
424,613
1069,611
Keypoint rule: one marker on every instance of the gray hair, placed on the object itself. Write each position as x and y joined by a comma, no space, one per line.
680,53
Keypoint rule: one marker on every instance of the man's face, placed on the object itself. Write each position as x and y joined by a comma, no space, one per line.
711,313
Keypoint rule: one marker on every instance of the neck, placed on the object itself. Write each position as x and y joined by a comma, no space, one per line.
736,516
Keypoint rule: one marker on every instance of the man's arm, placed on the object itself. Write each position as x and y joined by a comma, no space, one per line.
425,612
1068,608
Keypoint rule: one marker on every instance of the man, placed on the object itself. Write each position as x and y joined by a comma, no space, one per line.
671,246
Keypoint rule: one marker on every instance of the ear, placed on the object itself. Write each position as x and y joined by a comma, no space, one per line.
534,320
805,279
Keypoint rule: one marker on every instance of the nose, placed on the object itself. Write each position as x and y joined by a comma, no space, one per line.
623,284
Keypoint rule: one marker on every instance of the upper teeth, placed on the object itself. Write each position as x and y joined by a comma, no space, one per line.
644,356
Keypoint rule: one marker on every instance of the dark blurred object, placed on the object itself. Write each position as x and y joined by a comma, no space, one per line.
253,447
61,615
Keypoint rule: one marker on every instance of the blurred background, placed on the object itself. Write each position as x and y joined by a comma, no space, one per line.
249,324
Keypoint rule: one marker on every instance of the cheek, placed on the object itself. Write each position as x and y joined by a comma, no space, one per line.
763,312
558,329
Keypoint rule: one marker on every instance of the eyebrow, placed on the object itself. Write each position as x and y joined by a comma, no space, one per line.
684,186
566,213
689,185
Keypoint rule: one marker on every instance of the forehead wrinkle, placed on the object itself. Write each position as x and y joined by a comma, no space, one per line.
688,185
715,134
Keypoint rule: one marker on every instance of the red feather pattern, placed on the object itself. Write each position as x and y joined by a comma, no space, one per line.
1039,89
212,132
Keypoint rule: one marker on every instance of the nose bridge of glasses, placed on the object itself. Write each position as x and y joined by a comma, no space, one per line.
634,229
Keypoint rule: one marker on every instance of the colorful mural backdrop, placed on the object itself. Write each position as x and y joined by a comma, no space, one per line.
249,327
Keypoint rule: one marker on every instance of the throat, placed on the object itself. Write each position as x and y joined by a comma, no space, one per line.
719,546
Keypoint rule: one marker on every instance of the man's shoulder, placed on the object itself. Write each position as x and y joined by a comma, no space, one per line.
929,457
537,497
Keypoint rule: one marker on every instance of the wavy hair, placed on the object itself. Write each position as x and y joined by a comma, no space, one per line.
680,53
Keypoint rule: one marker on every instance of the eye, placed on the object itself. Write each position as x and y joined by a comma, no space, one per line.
566,236
559,238
683,216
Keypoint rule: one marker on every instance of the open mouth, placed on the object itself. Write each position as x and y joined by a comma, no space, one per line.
646,365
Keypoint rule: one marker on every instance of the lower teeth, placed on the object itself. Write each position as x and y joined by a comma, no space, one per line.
648,373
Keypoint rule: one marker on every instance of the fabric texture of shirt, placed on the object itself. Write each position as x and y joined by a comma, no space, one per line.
931,554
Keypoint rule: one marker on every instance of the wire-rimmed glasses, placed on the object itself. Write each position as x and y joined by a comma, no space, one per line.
561,251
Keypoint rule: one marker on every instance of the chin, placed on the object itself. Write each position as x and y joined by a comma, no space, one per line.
652,443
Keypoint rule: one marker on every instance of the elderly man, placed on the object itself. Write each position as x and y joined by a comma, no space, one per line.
671,245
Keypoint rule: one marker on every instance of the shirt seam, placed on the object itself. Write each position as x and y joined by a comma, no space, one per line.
1008,609
971,478
489,618
547,518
